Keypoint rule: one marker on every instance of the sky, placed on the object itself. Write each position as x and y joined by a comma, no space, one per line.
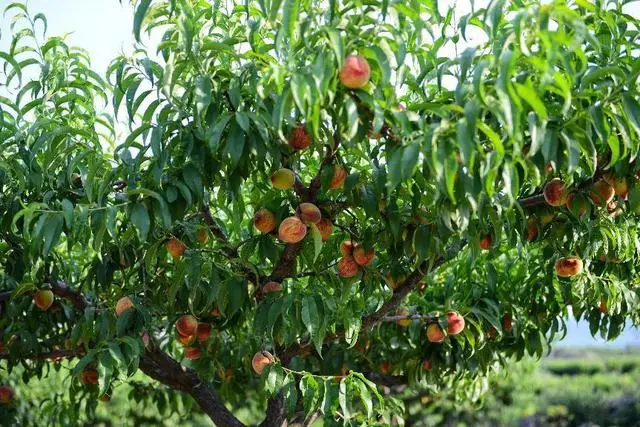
104,29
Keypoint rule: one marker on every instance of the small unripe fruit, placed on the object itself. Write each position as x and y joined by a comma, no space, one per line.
186,341
385,366
203,331
339,176
6,394
308,213
187,325
486,241
601,193
435,333
567,267
260,360
532,231
192,353
299,138
270,287
577,204
124,304
89,376
264,220
347,267
346,248
325,227
403,322
215,312
507,323
555,192
355,72
176,248
363,257
202,235
292,230
43,299
427,365
283,179
455,323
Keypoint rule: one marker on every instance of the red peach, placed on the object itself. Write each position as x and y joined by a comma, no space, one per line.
486,241
555,192
325,227
270,287
347,267
264,220
455,323
283,179
203,331
355,72
292,230
124,304
403,312
507,322
569,266
176,248
299,138
43,299
601,193
532,230
339,176
186,340
6,394
435,333
260,360
427,365
187,325
89,376
385,366
346,248
308,213
363,257
192,353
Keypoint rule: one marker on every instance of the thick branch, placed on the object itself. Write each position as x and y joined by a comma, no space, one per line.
286,264
275,412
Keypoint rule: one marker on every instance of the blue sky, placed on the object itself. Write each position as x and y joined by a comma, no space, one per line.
104,29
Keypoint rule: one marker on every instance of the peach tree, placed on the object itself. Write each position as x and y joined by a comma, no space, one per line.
288,210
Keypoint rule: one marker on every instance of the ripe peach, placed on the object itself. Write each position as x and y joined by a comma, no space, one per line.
308,213
435,333
43,299
577,204
215,312
186,340
192,353
363,257
176,248
264,220
486,242
260,360
186,325
507,323
6,394
555,192
601,193
299,139
427,364
124,304
346,248
271,287
292,230
347,267
532,230
325,227
619,184
569,266
339,176
355,72
202,235
403,312
89,376
385,366
455,323
203,331
283,179
602,308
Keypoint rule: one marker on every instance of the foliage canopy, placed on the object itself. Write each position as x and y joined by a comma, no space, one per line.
144,183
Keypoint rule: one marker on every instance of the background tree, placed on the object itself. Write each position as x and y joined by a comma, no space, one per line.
313,212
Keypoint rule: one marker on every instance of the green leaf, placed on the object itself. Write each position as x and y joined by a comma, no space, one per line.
631,111
203,91
310,316
317,241
140,13
140,219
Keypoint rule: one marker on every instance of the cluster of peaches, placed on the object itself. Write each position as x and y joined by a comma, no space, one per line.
189,330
